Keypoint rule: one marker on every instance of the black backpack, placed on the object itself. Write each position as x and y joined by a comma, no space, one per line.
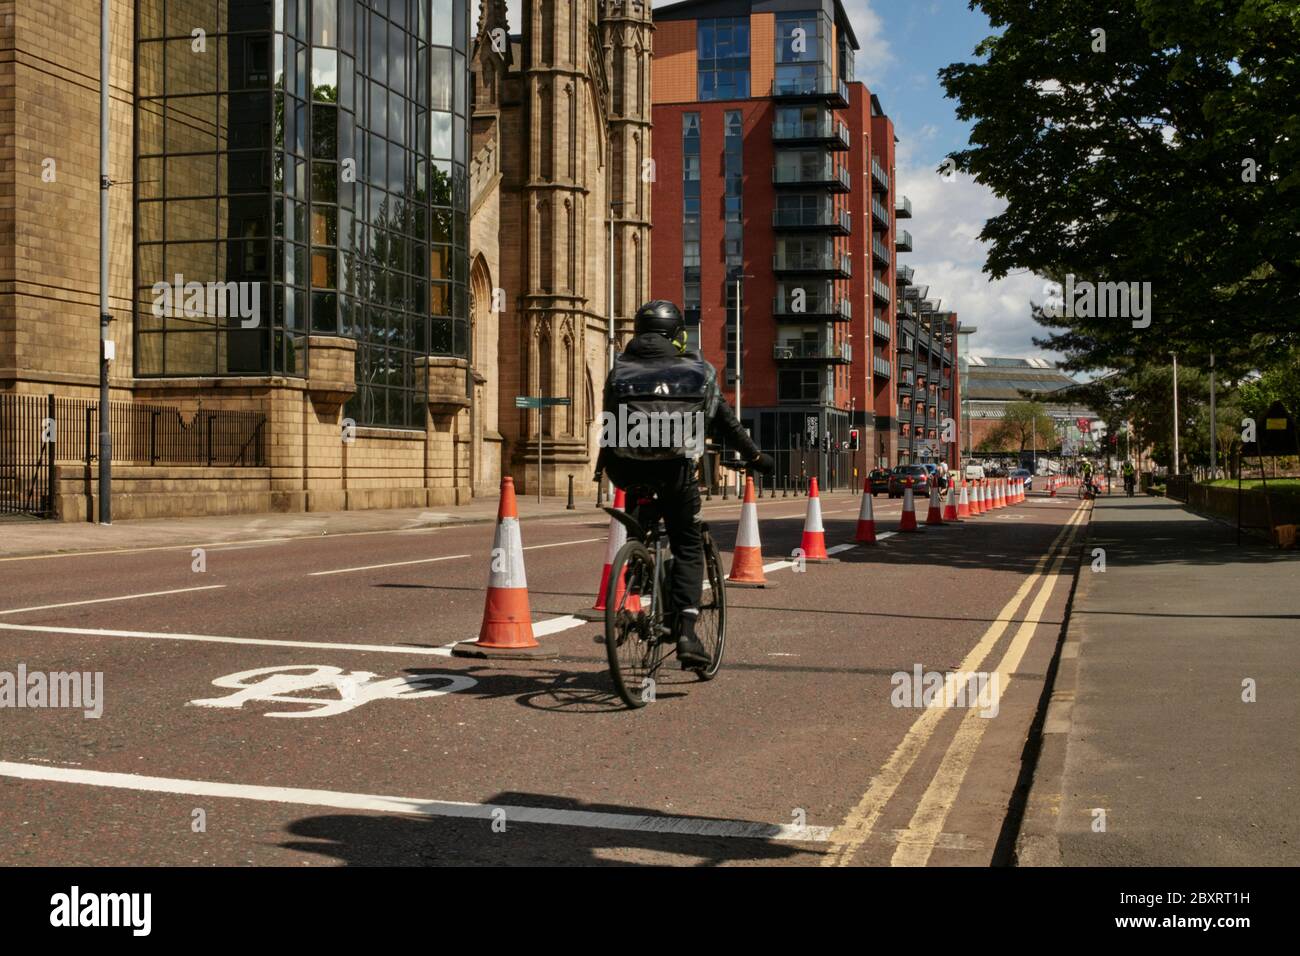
657,410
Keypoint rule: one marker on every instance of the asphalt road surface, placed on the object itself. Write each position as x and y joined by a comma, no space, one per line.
402,754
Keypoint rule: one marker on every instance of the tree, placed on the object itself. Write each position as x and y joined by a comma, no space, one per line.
1020,422
1145,141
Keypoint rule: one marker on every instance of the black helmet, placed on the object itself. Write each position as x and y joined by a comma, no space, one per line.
660,316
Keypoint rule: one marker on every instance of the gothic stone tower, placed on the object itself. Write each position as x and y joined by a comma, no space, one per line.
564,113
627,33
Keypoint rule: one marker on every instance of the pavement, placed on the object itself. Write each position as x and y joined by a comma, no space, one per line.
1173,733
283,698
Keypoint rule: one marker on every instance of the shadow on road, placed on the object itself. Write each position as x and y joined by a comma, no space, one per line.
375,840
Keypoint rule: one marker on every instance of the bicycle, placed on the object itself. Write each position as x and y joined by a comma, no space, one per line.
1087,491
638,635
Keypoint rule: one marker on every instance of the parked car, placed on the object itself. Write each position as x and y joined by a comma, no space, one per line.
917,473
974,472
878,481
1027,475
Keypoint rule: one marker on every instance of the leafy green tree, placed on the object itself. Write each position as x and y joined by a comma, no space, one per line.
1145,141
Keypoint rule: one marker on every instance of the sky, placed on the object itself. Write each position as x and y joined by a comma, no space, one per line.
903,44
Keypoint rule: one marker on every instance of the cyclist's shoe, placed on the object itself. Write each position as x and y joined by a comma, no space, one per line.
690,651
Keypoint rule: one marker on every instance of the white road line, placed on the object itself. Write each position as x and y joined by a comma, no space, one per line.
124,597
394,564
561,544
839,548
375,803
540,629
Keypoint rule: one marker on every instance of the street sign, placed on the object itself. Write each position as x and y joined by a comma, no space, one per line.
536,401
811,428
1277,437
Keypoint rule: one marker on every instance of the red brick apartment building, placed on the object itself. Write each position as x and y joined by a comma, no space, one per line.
774,189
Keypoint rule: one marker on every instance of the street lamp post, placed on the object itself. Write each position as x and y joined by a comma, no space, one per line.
738,277
1177,456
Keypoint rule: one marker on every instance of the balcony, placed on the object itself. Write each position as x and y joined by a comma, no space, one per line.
880,329
827,174
816,353
834,92
880,290
814,310
903,241
904,414
903,275
879,178
905,359
906,325
826,131
882,366
820,220
826,264
879,214
880,251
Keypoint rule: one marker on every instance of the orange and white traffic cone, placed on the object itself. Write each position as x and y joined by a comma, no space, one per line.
963,504
866,517
975,501
950,510
617,538
747,559
984,497
935,514
813,543
908,521
1052,483
507,629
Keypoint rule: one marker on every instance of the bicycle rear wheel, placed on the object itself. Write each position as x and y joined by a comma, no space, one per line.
632,641
711,627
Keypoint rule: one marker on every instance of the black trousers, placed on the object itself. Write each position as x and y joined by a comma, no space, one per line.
673,482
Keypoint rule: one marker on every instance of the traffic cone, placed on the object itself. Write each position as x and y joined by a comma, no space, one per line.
813,543
975,509
747,559
507,629
1052,483
935,514
866,517
908,521
984,496
950,511
617,538
963,505
1000,493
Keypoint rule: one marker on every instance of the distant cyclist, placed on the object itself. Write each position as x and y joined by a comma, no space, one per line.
1130,477
656,376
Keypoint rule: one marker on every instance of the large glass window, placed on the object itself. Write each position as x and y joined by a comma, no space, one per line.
722,58
803,60
691,226
315,151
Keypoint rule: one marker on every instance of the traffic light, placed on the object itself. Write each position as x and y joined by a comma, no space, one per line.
853,439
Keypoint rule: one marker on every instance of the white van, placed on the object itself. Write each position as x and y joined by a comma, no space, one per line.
974,472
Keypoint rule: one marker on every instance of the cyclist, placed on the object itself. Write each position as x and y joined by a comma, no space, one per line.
656,374
1087,478
1130,477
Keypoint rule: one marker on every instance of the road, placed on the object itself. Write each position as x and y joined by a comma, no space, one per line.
796,754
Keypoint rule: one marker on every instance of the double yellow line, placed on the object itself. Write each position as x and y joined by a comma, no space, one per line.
918,841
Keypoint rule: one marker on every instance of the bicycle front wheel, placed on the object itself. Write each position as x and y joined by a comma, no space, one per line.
711,627
632,641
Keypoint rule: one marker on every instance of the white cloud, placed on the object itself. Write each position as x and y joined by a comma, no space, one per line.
949,258
875,56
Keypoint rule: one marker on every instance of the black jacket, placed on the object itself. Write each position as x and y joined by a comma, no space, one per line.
722,425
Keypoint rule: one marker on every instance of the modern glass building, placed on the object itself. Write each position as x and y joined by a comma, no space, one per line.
300,171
